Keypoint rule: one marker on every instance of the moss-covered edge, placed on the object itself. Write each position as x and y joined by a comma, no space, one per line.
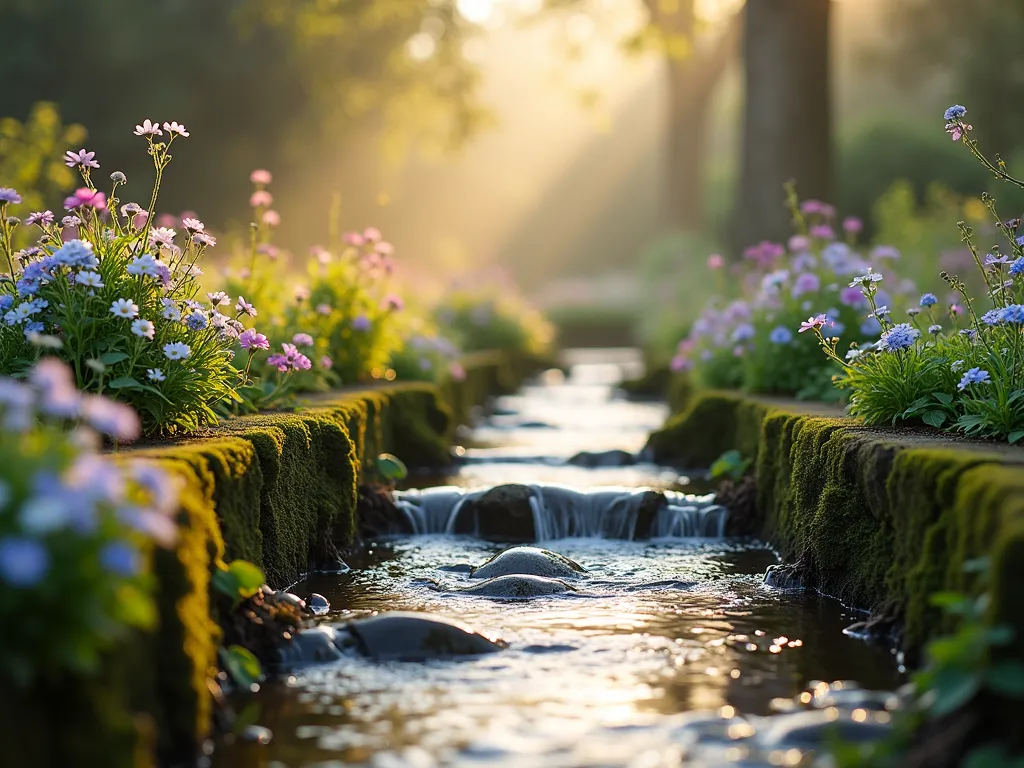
879,521
277,489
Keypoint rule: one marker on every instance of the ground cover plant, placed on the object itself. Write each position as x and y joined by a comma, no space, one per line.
747,336
76,527
118,297
960,372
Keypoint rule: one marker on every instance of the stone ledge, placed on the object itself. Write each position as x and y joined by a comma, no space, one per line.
879,518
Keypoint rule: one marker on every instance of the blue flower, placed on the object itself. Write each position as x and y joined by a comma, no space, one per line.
955,112
992,317
120,558
898,337
75,253
34,327
743,332
8,195
196,321
780,335
832,329
929,300
1012,314
27,287
1017,268
871,327
6,302
23,562
973,376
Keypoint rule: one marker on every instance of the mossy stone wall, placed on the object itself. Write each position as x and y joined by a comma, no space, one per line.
879,518
276,489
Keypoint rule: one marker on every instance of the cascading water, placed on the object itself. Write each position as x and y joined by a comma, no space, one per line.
560,512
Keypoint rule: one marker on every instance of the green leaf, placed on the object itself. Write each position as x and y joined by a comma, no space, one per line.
391,467
952,602
934,418
1000,635
1007,678
112,358
124,382
247,577
943,398
953,689
977,565
243,667
1015,436
224,582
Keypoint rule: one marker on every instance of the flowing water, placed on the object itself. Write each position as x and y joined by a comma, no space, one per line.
671,652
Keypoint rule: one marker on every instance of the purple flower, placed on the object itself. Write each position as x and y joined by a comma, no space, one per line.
899,337
955,112
852,225
250,339
23,561
743,332
992,317
42,218
852,297
110,417
799,244
822,232
326,362
992,260
8,195
121,559
806,282
81,158
973,376
813,322
243,307
360,323
302,340
884,252
197,321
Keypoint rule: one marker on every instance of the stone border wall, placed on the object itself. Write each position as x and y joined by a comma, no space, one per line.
278,489
880,519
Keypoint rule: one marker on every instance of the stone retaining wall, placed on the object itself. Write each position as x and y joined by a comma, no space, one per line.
277,489
880,519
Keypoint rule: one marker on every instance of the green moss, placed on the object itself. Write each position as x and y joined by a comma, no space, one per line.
877,519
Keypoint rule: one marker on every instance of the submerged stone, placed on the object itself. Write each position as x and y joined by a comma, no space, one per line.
517,587
530,561
603,459
815,727
785,576
402,636
318,604
315,645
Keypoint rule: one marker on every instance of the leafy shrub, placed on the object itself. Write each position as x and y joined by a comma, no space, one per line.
118,300
76,527
342,313
969,379
489,313
752,341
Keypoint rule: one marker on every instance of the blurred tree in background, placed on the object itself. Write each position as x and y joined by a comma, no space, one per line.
250,78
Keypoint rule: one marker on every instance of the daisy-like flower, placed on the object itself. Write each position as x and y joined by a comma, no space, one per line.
177,351
171,313
42,218
197,321
130,209
89,279
813,322
124,308
193,225
148,128
71,221
81,158
177,128
302,340
218,298
162,236
973,376
243,307
250,339
205,239
144,329
8,195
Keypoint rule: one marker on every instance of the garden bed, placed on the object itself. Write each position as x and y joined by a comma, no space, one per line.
277,489
880,519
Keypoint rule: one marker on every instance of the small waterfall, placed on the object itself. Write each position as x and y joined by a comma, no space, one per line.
559,512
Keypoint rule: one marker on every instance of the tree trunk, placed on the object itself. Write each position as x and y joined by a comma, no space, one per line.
691,85
787,121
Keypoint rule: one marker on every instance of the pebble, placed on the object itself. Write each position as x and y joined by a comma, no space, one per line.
257,734
318,604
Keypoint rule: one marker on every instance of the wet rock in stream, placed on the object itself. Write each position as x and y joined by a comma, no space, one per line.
603,459
503,513
513,587
532,561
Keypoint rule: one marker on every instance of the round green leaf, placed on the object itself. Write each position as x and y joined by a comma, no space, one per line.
247,577
241,665
391,467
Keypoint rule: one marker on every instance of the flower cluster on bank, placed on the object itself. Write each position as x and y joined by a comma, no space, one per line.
955,363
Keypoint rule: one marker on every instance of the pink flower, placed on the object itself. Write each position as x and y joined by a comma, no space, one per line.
271,218
261,176
457,371
280,362
323,309
80,158
192,225
852,225
393,302
384,248
822,232
813,322
87,197
956,309
371,235
715,261
177,128
261,199
326,362
148,128
353,238
799,244
302,340
680,363
250,339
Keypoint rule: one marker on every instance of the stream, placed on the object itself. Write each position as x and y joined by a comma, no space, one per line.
670,652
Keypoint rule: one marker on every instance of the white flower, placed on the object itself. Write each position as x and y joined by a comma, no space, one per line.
193,225
143,328
177,351
219,298
162,236
155,374
172,313
124,308
146,264
148,128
